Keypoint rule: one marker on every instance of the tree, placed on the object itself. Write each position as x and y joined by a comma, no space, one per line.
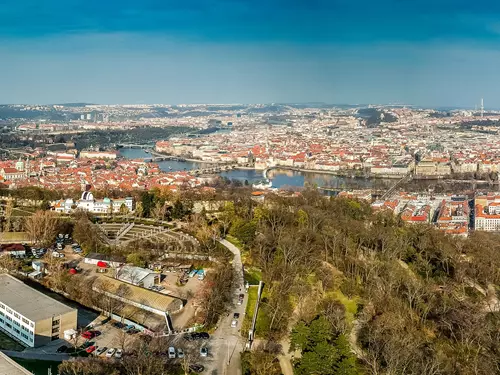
88,366
42,227
137,259
159,211
124,209
323,353
9,207
216,292
179,210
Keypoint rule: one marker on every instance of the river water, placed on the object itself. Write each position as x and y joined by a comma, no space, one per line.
279,178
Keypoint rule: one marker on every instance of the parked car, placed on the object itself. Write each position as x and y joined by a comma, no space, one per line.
90,349
101,350
236,315
204,335
62,349
128,326
234,323
119,353
85,345
110,352
118,325
180,353
241,297
132,331
171,352
196,368
88,335
204,351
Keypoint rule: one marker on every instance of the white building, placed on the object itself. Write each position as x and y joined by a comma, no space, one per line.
138,276
88,203
487,213
31,317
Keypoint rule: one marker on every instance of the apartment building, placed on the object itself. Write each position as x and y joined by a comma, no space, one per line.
453,217
433,167
31,317
487,212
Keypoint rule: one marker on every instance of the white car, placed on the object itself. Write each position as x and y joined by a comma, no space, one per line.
171,352
234,323
204,351
110,352
180,353
119,353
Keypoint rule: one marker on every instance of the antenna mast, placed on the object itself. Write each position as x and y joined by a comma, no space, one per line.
482,107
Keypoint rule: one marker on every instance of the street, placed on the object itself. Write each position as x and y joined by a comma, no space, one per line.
227,343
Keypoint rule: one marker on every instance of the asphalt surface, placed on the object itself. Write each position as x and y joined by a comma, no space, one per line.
227,343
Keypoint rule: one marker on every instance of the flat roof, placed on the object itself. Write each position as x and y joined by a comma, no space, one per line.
133,274
10,367
156,300
29,302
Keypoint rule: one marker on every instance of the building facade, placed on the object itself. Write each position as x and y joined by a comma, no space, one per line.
30,317
98,206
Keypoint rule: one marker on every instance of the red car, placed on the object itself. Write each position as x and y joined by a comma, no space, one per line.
90,349
87,335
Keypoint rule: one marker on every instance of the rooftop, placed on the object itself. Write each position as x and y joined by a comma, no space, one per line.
158,301
10,367
27,301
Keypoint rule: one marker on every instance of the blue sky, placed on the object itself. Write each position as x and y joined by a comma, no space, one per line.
431,53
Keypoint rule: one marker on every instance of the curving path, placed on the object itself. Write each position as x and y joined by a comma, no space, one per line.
227,343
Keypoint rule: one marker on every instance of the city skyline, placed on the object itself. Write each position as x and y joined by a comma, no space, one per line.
428,54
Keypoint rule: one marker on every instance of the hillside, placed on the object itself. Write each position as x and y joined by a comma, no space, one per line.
341,278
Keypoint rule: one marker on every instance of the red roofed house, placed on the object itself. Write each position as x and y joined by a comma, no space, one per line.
11,174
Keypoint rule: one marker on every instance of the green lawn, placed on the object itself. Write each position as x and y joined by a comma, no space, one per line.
262,324
253,275
252,299
21,212
236,242
351,305
14,237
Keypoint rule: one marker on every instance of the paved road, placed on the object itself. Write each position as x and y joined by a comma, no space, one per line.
227,343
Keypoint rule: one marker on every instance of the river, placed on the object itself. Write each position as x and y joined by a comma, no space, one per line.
279,177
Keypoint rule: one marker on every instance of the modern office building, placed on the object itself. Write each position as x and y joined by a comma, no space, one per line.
31,317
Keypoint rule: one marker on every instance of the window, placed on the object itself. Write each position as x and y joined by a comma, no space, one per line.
8,318
1,320
17,323
17,331
17,315
26,321
55,322
32,325
8,325
9,310
2,306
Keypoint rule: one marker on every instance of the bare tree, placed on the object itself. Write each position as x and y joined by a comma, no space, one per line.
42,227
8,214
